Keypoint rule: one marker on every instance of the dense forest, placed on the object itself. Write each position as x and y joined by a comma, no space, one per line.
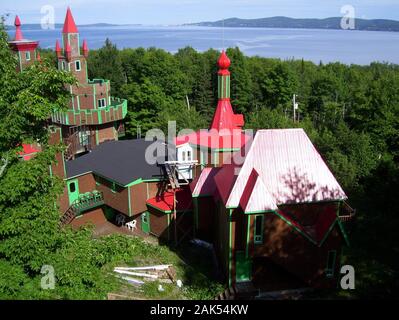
351,113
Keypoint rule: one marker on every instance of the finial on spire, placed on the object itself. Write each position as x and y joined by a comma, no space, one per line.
224,61
85,48
69,24
18,32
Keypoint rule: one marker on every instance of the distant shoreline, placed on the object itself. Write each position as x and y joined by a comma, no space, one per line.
333,23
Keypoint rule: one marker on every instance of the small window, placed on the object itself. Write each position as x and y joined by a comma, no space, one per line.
72,187
184,156
331,263
77,65
27,55
63,65
258,232
101,103
188,155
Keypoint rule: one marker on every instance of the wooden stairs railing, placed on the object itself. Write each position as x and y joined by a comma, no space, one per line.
85,202
347,213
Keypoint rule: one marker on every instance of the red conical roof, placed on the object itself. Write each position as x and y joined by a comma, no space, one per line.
85,46
57,46
69,24
224,61
18,32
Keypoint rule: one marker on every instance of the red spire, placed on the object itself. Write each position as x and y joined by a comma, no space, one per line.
69,24
18,32
58,49
85,48
224,61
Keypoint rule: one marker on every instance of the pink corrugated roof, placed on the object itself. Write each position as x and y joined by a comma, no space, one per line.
289,166
256,197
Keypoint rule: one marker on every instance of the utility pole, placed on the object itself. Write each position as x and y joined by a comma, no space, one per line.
188,103
295,106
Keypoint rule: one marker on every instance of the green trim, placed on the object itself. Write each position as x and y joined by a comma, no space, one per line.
330,272
78,175
133,183
296,228
152,180
168,219
328,232
20,61
260,211
260,241
195,202
226,149
94,97
248,237
130,202
341,226
97,138
202,195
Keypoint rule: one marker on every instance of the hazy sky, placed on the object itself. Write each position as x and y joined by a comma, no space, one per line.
186,11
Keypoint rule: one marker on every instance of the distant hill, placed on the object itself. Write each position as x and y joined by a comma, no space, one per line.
285,22
30,26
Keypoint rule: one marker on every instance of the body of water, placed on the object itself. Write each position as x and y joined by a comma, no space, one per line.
359,47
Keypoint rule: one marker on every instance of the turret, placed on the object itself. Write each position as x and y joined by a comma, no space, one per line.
85,49
24,48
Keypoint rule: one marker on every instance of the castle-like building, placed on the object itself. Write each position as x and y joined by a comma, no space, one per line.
269,206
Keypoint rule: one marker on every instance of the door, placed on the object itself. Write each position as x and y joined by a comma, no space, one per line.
243,267
73,190
145,222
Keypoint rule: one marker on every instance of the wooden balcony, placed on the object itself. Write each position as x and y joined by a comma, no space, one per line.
80,140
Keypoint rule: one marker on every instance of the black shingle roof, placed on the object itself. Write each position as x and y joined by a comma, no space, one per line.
120,161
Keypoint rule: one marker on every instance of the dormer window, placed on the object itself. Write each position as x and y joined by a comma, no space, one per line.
77,65
27,56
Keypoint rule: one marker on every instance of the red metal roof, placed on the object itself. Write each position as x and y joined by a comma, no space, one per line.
165,202
224,117
18,32
69,24
28,151
215,139
204,184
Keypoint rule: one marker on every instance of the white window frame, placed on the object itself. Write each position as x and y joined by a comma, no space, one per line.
103,104
76,65
27,56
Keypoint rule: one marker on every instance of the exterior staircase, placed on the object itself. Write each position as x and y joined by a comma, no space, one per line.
85,202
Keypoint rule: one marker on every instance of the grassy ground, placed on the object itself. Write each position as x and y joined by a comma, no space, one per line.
192,267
